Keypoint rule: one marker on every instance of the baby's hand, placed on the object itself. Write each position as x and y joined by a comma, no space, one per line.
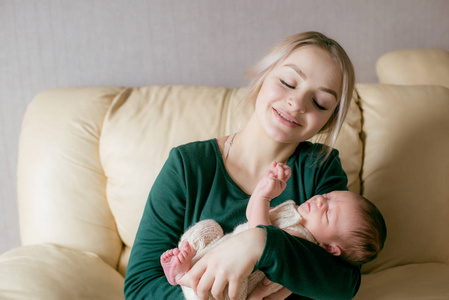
274,182
280,171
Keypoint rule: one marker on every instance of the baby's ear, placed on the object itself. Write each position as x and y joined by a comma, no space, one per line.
332,249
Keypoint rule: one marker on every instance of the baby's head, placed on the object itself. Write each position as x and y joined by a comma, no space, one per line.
345,224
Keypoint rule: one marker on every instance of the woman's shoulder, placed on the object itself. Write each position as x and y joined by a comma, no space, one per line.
314,150
313,154
192,146
319,172
196,151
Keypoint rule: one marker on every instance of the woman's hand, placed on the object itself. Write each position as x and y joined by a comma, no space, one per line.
262,288
227,265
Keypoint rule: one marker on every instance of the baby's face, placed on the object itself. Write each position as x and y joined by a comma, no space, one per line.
330,217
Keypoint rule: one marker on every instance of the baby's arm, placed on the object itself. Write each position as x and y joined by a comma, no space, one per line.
269,187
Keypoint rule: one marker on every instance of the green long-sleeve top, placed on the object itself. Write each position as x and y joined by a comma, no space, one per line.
194,185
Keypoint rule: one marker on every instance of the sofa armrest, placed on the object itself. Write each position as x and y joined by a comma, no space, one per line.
46,271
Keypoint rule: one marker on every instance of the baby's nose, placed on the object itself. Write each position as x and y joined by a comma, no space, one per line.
320,202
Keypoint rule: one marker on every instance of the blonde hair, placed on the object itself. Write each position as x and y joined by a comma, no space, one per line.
282,50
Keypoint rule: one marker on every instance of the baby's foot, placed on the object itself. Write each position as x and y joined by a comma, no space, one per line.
177,262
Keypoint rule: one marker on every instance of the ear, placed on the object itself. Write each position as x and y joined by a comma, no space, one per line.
333,249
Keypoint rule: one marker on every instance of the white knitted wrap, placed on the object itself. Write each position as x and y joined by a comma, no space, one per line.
286,216
206,234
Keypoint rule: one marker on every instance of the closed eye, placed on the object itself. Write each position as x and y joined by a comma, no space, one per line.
318,105
287,85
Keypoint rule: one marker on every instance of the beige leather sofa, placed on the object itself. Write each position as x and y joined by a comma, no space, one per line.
88,157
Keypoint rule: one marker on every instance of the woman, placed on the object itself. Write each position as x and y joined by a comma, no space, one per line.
301,88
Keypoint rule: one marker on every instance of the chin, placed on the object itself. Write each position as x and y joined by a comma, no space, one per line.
283,138
280,135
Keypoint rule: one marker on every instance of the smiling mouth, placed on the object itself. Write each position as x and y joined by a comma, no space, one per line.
285,117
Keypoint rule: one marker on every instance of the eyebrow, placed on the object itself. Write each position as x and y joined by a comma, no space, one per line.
297,70
304,76
332,92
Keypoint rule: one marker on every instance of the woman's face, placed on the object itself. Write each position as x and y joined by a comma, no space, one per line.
299,95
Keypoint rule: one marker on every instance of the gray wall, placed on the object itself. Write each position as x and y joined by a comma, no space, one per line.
50,43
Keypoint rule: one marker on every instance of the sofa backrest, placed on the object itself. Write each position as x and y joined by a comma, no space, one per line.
413,105
414,67
88,157
406,170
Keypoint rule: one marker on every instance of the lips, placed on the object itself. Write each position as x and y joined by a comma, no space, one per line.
285,118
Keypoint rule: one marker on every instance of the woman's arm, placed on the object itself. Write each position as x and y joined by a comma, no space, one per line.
299,265
316,273
160,228
227,265
311,270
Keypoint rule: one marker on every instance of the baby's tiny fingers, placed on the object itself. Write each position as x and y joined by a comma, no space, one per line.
280,172
272,174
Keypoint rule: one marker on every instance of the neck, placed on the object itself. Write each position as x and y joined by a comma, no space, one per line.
256,150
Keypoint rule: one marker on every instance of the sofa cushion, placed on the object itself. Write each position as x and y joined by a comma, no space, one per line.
406,170
414,66
411,282
52,272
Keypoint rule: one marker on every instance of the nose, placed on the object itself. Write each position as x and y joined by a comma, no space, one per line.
296,104
321,202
